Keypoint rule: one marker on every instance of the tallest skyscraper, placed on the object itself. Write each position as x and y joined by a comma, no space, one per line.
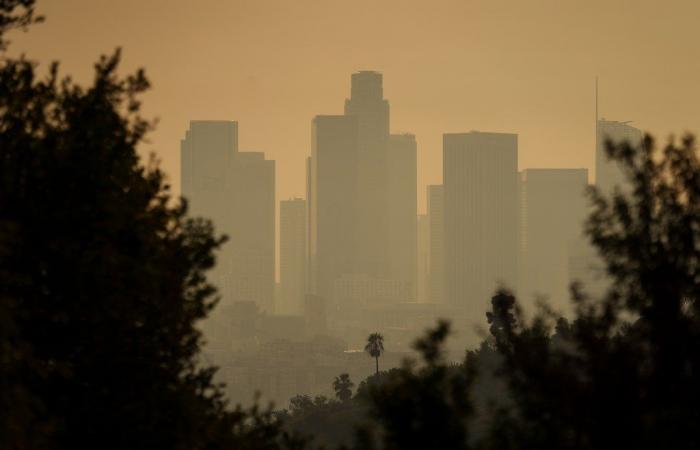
368,105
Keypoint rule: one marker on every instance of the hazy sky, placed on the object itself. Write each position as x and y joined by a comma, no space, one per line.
521,66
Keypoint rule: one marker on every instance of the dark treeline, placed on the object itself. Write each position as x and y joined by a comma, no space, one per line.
103,282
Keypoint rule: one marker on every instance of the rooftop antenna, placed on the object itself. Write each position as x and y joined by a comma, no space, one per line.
597,143
596,111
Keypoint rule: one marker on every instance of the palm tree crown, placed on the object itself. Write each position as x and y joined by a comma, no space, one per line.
375,347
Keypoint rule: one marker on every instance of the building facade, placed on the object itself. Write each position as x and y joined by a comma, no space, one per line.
401,209
423,258
333,208
436,230
553,209
481,221
236,190
292,257
371,110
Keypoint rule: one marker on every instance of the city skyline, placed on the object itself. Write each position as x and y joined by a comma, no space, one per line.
540,85
354,240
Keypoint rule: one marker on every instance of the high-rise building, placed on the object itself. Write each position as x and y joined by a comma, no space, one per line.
206,153
585,264
251,203
481,220
236,190
423,258
292,257
333,201
436,226
371,110
402,209
310,267
553,209
608,173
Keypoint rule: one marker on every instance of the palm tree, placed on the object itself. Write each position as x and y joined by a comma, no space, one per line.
375,347
343,387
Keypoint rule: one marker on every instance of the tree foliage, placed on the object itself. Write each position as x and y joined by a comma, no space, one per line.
624,373
420,407
102,275
342,385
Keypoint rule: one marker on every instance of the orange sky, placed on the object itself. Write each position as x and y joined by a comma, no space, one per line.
492,65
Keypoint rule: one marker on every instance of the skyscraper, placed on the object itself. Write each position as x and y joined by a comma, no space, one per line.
292,256
206,153
553,208
371,110
436,225
333,200
237,191
251,203
310,267
423,258
402,208
608,173
481,221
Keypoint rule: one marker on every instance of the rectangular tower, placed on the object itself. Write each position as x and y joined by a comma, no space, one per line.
402,209
553,208
206,153
371,110
423,258
251,202
333,213
436,225
292,256
481,221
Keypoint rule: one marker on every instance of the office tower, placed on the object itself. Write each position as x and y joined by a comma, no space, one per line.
310,267
251,204
436,226
608,173
367,104
236,191
553,209
481,220
292,256
423,258
402,208
333,200
206,153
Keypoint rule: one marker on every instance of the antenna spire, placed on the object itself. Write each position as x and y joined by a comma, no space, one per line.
596,113
596,98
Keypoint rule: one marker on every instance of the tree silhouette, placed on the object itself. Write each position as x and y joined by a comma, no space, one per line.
419,407
102,275
624,373
343,387
375,347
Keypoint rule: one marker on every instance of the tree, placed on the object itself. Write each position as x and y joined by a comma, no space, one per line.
343,387
375,347
330,423
624,373
102,275
420,407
